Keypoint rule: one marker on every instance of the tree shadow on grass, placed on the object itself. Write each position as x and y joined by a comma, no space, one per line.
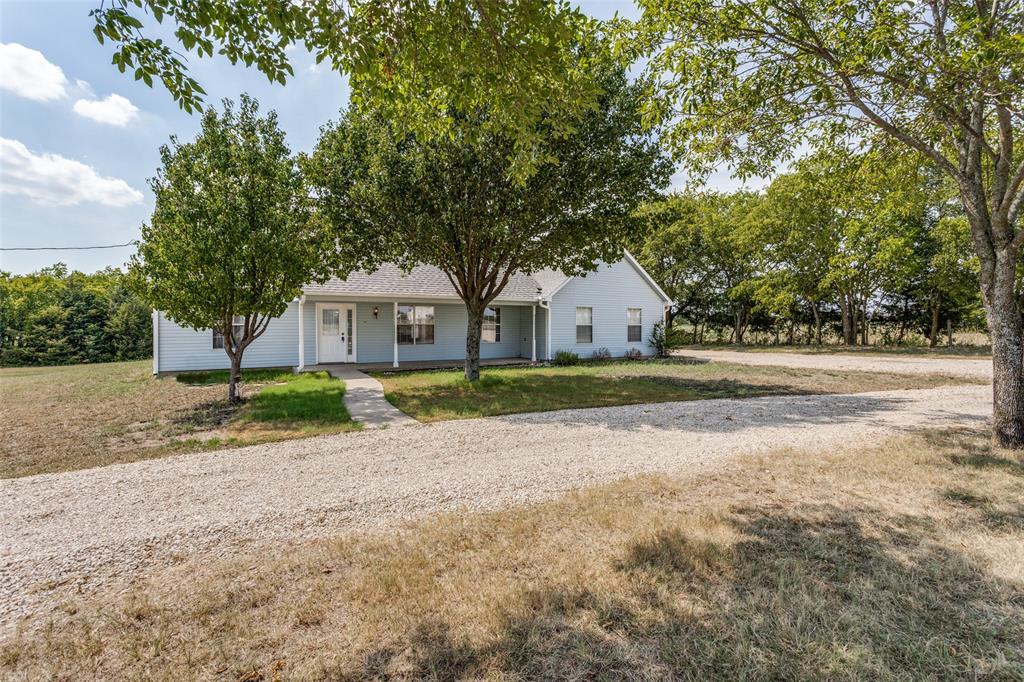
826,593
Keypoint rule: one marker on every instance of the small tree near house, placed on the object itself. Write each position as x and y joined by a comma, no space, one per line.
456,202
233,237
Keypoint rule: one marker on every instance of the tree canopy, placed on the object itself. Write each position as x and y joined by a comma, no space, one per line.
745,81
454,203
411,59
233,234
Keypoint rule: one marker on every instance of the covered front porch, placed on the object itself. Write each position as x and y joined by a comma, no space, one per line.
417,365
377,334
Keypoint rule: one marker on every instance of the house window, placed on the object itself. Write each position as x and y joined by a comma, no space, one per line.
492,326
415,325
237,330
634,326
584,325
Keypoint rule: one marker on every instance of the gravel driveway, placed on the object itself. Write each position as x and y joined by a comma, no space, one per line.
83,529
980,368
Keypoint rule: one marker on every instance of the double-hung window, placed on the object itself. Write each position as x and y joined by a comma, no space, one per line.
491,332
634,326
415,325
237,330
584,325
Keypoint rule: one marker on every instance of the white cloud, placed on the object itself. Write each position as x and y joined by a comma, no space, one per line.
115,110
51,179
26,72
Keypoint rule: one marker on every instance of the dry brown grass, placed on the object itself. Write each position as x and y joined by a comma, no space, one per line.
63,418
901,562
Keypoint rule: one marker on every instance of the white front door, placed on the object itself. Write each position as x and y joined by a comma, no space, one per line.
336,332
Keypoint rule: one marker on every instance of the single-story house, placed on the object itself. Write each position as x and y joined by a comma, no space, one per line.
389,317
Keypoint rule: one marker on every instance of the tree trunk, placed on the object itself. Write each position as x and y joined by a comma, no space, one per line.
234,396
849,315
864,331
949,333
473,331
933,337
1006,327
817,324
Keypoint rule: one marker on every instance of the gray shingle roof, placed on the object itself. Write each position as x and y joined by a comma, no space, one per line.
424,281
549,280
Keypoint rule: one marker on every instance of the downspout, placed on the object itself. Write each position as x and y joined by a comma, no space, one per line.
302,336
156,342
547,306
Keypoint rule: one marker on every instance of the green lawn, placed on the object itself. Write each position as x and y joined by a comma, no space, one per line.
76,417
438,395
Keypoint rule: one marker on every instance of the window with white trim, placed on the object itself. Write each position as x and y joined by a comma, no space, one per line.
634,325
491,332
237,330
415,325
584,325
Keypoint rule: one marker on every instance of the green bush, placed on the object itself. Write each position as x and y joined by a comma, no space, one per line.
565,358
664,339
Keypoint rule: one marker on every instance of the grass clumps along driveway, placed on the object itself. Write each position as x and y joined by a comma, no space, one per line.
76,417
900,561
438,395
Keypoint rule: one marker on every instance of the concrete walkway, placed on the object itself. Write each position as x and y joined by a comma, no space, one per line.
364,399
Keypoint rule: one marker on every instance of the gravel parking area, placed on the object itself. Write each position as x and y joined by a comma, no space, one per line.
86,529
980,368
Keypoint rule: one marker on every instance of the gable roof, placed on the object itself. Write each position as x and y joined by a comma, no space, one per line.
427,281
424,281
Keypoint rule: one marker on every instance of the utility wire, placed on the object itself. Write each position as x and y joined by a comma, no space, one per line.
133,242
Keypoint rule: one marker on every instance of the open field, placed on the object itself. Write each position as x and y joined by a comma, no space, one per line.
900,561
438,395
63,418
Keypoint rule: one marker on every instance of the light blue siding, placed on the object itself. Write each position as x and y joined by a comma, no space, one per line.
182,349
609,292
375,336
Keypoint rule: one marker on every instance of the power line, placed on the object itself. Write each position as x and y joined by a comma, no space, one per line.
133,242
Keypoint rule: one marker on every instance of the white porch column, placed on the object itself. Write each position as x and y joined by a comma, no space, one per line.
533,352
395,321
302,335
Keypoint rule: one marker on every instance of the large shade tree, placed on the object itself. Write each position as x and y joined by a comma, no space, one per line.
457,204
745,81
233,237
513,56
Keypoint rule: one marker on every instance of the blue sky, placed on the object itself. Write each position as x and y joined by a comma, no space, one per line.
80,139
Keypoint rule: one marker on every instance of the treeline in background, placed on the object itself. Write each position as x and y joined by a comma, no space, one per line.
57,317
847,247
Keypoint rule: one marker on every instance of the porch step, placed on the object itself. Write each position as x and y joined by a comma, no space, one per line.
365,402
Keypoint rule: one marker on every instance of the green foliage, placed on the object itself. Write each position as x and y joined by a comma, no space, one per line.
456,203
664,339
233,232
696,247
565,358
56,317
843,232
408,61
